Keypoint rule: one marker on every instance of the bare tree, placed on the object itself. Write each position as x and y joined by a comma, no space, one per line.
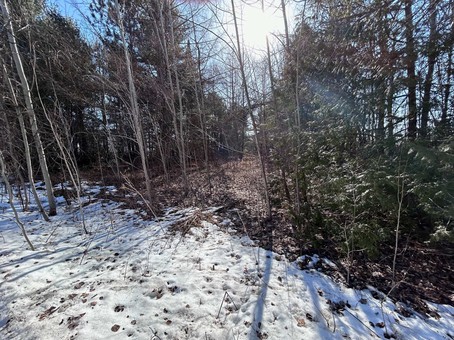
180,97
30,109
11,200
411,57
173,79
28,159
432,54
134,105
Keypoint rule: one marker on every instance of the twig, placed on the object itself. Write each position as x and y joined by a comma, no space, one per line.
383,315
53,231
226,294
334,322
323,316
244,226
231,299
219,312
126,267
131,186
370,329
155,334
88,246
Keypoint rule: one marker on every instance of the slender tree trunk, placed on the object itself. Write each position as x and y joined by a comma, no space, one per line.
24,187
298,141
381,110
67,156
251,114
389,108
287,36
135,112
198,84
400,198
66,152
171,72
411,57
381,82
110,141
9,190
432,54
162,153
30,109
28,159
180,99
447,91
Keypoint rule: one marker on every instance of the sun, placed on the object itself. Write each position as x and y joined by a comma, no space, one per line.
257,24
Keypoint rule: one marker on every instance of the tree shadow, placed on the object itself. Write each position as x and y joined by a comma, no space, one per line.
259,308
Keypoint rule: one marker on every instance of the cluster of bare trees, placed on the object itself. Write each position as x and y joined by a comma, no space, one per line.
147,90
162,86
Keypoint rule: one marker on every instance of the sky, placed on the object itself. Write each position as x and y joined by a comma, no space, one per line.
256,24
71,8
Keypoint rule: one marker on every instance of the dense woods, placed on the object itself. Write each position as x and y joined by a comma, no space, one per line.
348,109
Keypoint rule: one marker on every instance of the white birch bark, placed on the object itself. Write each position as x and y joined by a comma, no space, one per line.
138,131
29,105
28,159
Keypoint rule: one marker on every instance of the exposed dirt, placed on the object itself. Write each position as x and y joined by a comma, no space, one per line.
423,272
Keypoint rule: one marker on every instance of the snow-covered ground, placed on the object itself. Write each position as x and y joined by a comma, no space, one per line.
138,279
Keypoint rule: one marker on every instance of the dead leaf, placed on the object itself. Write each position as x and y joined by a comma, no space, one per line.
79,285
73,321
301,322
47,312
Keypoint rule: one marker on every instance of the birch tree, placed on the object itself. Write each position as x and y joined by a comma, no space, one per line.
134,105
28,159
29,106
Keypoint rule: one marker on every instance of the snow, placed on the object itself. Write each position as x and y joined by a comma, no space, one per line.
138,279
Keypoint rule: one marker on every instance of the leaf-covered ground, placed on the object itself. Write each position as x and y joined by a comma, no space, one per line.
424,271
185,275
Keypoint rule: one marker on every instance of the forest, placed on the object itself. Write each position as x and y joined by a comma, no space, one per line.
316,127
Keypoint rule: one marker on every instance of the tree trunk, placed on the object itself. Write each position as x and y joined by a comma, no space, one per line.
411,57
28,159
198,84
447,87
30,109
172,71
381,110
135,112
180,100
11,201
287,36
432,54
389,108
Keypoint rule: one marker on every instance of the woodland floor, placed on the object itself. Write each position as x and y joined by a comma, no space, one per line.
199,266
423,271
